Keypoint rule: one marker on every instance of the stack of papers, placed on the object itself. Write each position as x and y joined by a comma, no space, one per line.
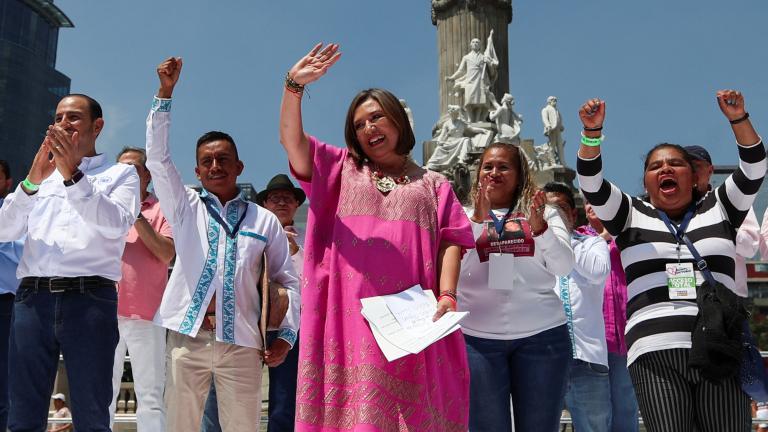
402,323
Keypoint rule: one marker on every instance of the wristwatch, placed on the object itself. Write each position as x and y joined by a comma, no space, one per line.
76,176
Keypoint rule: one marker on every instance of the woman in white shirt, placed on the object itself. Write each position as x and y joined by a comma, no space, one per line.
517,339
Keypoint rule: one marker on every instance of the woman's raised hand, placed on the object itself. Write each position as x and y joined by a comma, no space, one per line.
536,212
482,204
592,115
731,103
314,65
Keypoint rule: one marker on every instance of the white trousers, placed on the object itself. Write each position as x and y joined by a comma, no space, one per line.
145,342
236,370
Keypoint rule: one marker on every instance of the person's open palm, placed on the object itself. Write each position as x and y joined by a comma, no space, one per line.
314,65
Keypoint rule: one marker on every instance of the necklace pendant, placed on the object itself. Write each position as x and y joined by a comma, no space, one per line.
385,184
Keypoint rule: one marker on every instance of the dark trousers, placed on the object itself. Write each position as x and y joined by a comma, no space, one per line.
282,390
674,397
532,370
82,325
6,320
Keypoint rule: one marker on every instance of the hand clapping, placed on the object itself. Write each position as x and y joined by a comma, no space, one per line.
536,212
65,149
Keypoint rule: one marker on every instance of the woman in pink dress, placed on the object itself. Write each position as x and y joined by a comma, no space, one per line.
378,224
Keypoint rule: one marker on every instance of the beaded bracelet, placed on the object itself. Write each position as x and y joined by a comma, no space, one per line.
291,85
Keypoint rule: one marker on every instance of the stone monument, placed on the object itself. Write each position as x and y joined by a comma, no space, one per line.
471,83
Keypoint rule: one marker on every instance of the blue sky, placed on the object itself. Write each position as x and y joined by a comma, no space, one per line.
657,63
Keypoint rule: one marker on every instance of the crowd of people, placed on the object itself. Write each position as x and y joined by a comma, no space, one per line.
608,319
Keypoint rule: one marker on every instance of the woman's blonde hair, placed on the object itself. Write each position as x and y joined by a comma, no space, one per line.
526,188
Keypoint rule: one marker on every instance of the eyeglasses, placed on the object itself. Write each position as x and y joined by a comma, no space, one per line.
277,199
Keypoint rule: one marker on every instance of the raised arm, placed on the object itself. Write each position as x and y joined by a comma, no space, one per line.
166,179
307,70
609,203
739,190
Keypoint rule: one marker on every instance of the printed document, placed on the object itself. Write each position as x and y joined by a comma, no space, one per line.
402,323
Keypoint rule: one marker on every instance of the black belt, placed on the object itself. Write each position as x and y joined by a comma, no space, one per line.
61,284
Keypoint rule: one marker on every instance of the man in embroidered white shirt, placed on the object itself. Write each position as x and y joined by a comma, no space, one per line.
75,210
588,391
211,303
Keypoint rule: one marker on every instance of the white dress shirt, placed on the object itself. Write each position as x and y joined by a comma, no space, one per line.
582,295
76,230
208,261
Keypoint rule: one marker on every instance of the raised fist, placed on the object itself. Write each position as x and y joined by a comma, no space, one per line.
592,113
168,71
731,103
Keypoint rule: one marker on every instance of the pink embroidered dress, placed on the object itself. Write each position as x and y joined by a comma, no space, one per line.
363,243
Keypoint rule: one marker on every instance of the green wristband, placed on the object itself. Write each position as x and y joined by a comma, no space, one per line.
591,142
29,185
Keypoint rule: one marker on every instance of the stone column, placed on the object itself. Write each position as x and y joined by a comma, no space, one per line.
458,22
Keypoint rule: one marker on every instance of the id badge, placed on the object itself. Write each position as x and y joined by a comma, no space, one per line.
681,281
501,271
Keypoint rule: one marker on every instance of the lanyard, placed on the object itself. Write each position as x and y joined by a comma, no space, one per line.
499,224
678,232
680,237
214,213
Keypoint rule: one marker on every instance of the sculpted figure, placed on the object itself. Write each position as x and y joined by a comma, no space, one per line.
474,76
456,139
408,112
508,122
553,129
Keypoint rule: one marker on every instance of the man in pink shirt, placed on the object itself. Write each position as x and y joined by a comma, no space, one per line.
148,250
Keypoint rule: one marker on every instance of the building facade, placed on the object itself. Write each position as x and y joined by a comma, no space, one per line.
30,85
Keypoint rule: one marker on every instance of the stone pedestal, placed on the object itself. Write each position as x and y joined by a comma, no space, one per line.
458,22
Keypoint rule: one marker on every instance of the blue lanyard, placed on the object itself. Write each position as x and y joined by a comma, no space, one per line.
214,213
499,224
680,237
678,232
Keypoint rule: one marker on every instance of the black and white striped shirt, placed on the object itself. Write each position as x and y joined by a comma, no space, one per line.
654,321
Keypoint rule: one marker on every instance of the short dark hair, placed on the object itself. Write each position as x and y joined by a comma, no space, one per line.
140,151
93,106
6,168
216,136
563,189
393,110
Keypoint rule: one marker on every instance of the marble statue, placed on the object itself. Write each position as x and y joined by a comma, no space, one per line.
508,122
474,77
408,113
456,139
545,157
553,130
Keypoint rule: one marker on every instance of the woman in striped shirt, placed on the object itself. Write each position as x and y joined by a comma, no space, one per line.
672,396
